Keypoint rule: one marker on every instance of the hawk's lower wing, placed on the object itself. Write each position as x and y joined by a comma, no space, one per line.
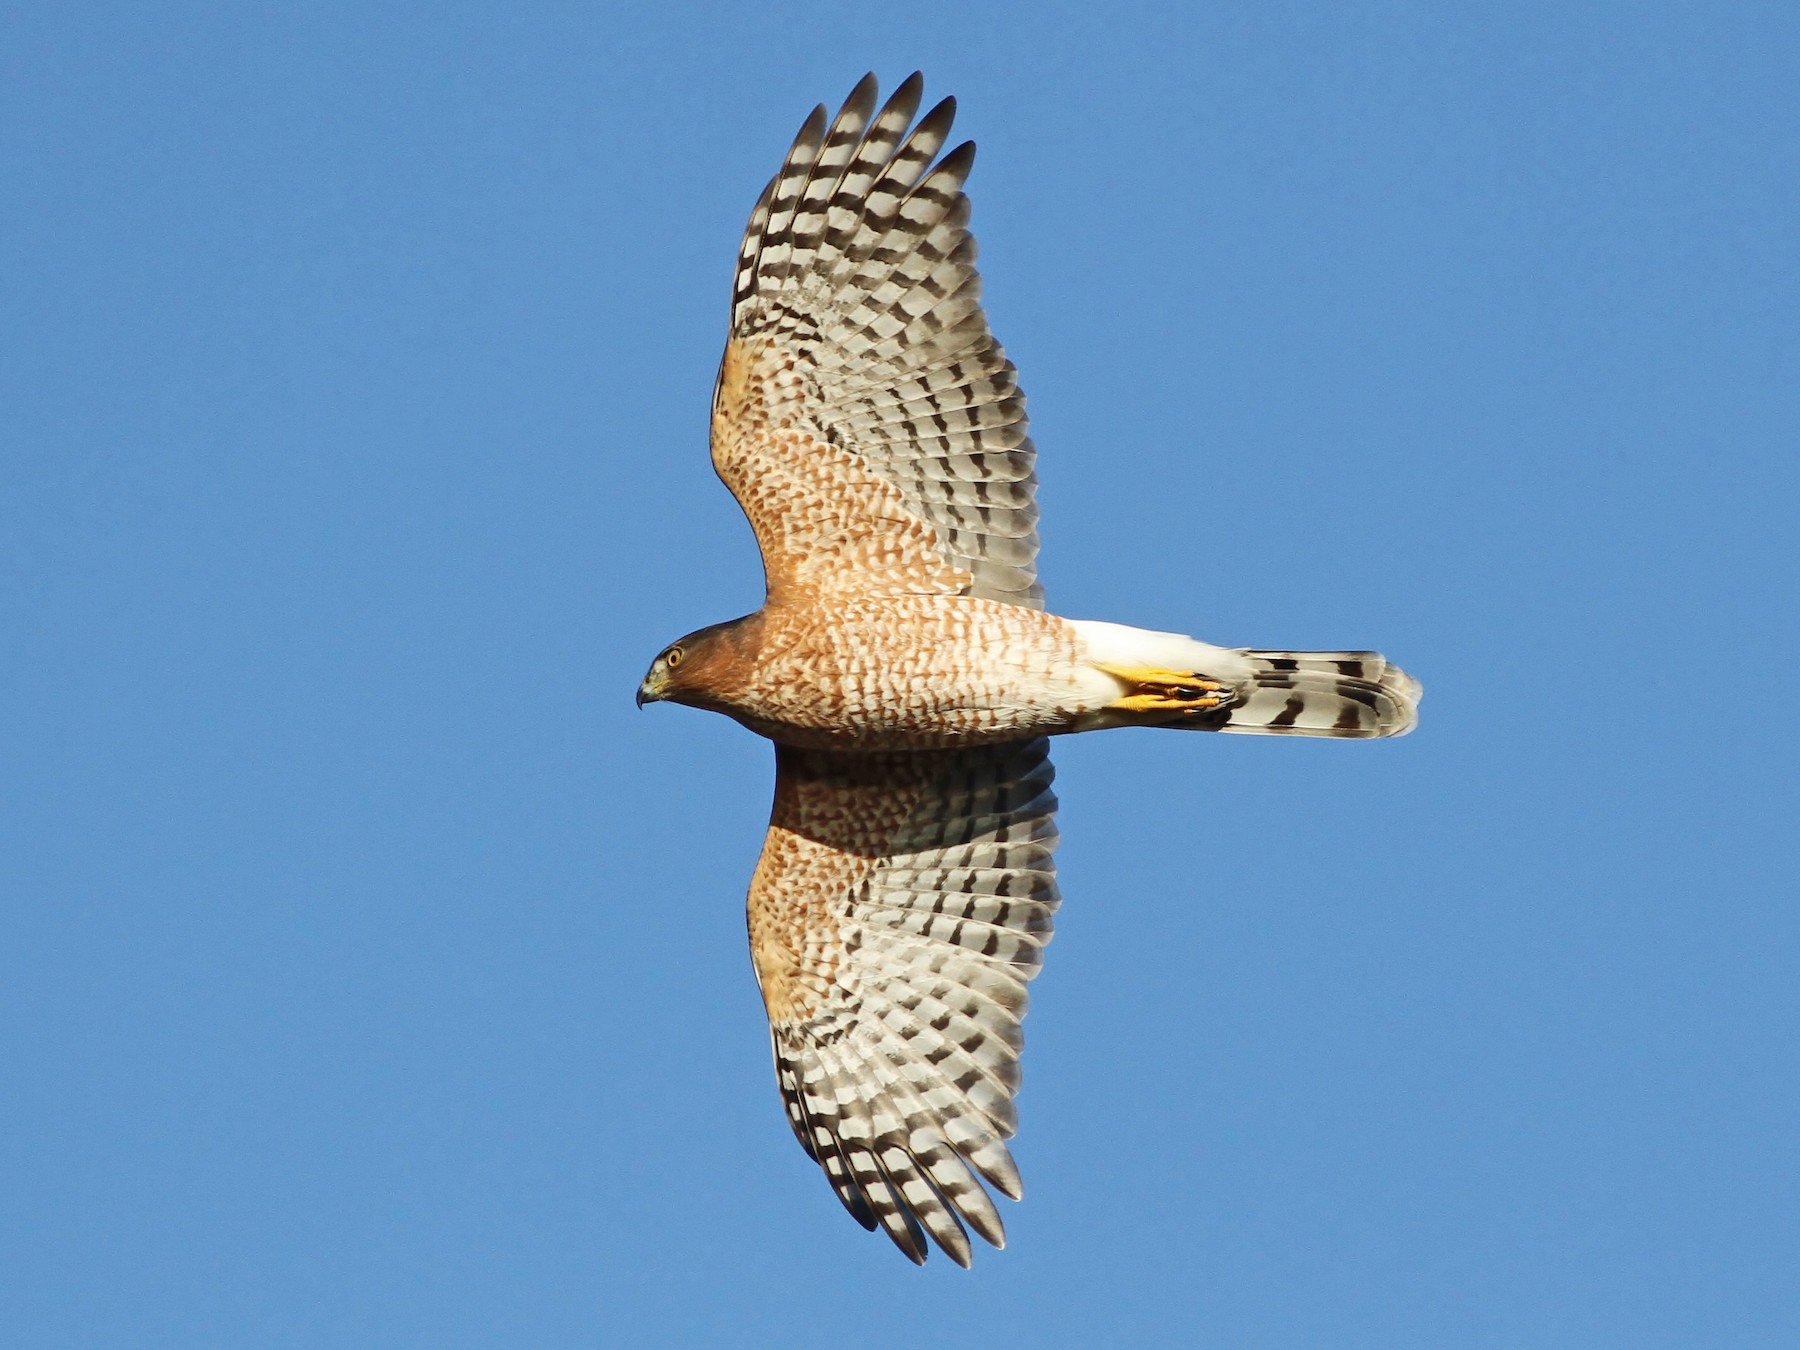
901,903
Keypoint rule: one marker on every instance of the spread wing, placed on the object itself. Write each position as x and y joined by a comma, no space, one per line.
865,418
901,903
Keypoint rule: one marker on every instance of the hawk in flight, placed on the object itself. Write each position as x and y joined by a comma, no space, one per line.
906,670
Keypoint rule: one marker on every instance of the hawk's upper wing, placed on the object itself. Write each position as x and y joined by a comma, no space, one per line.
864,417
901,903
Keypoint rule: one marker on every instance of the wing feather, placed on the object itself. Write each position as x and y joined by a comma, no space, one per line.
865,417
901,905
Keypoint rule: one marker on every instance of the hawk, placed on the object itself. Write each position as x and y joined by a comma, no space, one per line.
905,668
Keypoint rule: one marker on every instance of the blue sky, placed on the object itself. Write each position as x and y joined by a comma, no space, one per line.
375,971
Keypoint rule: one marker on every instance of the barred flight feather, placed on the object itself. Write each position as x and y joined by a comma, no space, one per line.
895,997
858,266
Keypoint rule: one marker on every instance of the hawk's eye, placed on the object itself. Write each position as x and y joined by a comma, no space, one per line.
672,657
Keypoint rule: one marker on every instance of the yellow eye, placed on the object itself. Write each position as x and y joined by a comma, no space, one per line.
672,657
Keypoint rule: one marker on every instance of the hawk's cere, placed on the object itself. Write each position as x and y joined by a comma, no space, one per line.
905,668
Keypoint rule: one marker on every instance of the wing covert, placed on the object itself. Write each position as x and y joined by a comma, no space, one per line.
901,904
865,417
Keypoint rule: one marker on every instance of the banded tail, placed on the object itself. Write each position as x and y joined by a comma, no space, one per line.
1348,694
1165,679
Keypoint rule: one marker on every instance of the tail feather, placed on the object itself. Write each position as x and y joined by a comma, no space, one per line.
1346,694
1166,679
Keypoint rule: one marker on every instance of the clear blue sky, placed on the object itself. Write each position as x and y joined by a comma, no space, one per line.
374,972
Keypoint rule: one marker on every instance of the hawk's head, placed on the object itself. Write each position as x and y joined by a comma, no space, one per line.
698,667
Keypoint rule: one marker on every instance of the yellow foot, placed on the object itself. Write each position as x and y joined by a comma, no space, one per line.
1153,690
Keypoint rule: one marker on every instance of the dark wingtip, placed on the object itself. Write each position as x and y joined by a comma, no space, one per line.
942,112
812,128
958,162
905,98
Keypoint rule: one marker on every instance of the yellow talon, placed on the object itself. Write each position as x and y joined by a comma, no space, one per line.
1163,703
1154,690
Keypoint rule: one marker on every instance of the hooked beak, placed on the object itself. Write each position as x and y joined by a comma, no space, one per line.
650,691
